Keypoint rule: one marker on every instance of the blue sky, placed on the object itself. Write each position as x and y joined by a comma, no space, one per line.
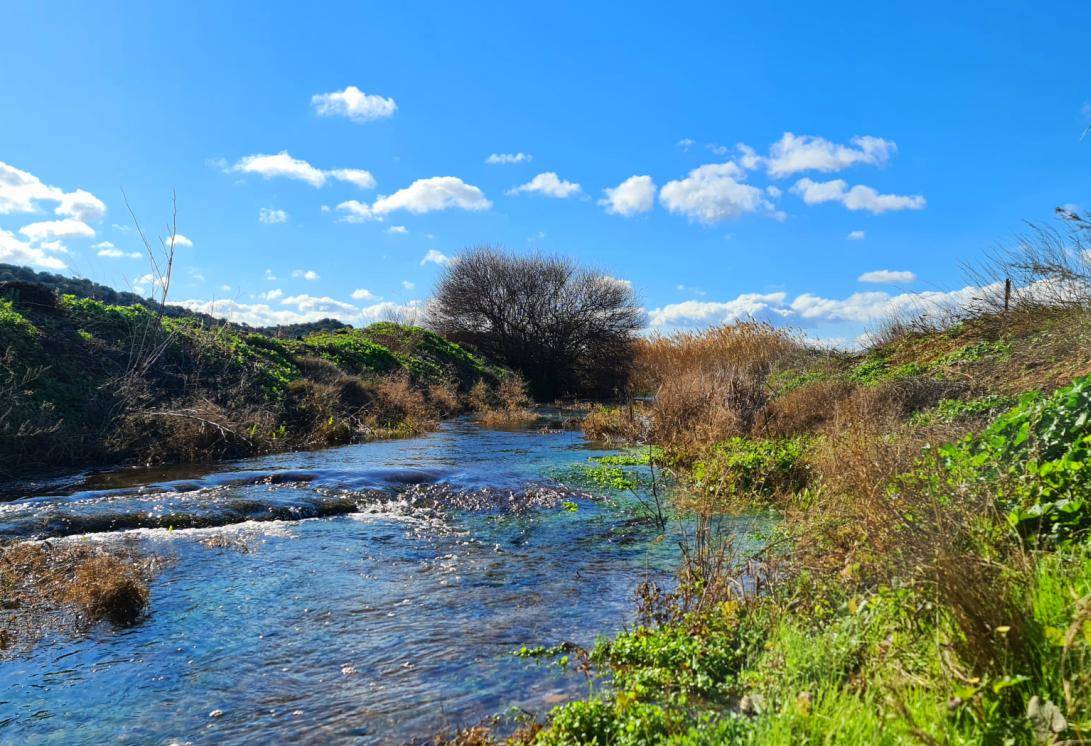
781,152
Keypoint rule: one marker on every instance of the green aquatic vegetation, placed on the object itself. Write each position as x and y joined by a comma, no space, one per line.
1037,457
748,467
632,457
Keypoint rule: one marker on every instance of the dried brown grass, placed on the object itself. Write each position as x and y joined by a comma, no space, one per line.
710,385
508,405
40,582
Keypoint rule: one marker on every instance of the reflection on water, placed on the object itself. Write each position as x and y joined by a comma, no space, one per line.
387,586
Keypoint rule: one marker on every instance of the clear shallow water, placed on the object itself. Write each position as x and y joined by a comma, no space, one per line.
387,585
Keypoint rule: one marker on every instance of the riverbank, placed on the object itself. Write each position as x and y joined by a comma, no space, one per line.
89,384
927,579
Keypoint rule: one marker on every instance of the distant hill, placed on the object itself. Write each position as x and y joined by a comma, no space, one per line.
83,288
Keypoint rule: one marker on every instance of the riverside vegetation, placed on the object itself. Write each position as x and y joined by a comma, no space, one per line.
924,576
928,575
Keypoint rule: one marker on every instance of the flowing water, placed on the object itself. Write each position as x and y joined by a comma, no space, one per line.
367,594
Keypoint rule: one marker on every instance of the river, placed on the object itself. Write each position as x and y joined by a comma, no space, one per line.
371,593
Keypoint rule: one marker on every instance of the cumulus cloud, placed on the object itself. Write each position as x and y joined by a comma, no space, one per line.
809,308
888,276
322,304
856,235
21,191
357,176
263,314
435,193
283,166
356,212
271,294
548,184
634,195
81,205
434,257
712,193
685,143
48,230
859,197
705,313
354,104
305,274
271,216
181,240
109,251
504,159
397,230
362,294
795,153
14,250
408,285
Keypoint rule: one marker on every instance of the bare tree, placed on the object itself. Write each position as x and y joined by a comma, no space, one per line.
568,330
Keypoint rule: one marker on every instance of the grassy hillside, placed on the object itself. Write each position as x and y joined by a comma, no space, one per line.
86,382
929,576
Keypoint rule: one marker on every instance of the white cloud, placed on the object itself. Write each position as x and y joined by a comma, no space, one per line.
685,143
856,235
547,184
357,176
283,165
408,285
434,257
704,313
306,274
887,276
271,216
859,197
397,229
324,304
503,159
148,282
81,205
181,240
712,193
354,104
261,314
21,191
808,308
356,212
634,195
435,193
362,294
748,157
109,251
15,251
716,149
794,153
272,294
269,275
48,230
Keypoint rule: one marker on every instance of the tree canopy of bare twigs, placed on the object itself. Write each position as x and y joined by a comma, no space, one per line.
568,330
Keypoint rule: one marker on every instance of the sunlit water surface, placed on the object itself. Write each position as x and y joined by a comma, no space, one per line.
386,587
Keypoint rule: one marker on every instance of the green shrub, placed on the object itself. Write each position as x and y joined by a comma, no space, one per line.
753,467
1037,454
